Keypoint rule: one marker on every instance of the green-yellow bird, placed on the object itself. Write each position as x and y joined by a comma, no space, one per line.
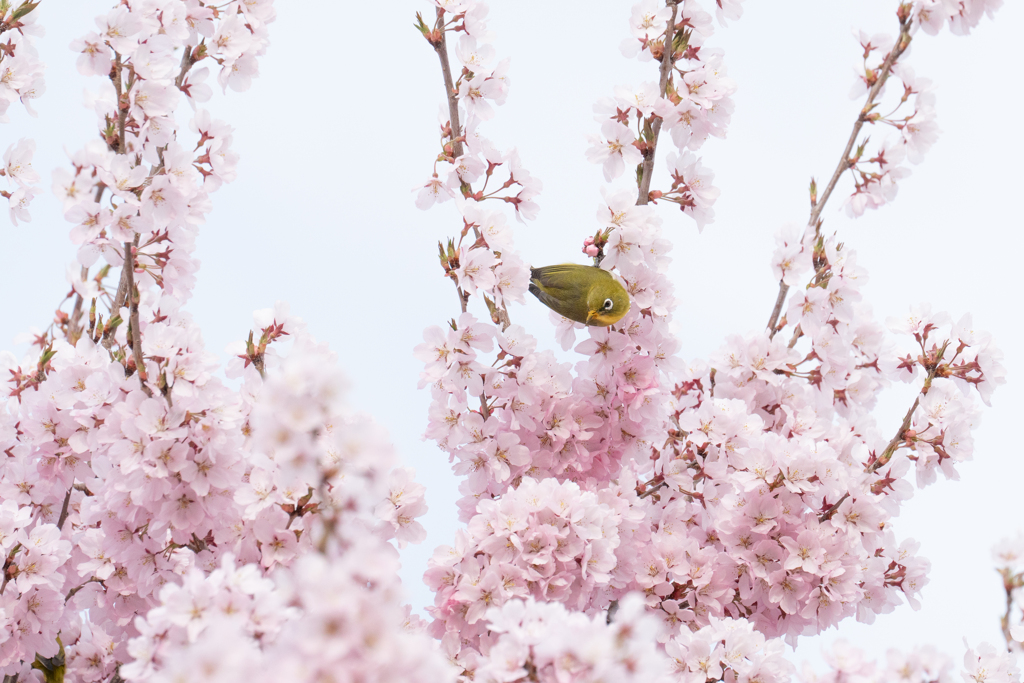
586,294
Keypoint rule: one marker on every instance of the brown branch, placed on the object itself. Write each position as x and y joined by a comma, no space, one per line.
140,363
666,68
827,514
122,289
441,47
777,310
797,333
654,488
71,593
186,64
122,107
64,508
894,443
1004,621
902,43
74,329
125,282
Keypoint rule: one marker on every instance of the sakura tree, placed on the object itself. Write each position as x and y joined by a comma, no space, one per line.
630,513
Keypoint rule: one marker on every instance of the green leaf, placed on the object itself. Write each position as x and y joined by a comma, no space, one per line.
22,11
52,667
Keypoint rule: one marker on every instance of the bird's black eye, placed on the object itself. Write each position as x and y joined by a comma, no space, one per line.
608,303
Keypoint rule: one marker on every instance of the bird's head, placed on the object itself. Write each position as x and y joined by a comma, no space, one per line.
607,302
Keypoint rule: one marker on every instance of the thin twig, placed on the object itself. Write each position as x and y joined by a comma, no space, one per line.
652,145
797,333
777,310
452,95
1004,622
186,64
122,107
64,508
441,47
902,43
140,363
71,593
653,489
890,449
122,289
74,329
122,116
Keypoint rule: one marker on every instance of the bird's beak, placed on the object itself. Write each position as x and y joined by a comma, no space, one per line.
590,316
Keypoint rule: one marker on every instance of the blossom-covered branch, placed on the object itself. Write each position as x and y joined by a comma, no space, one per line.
1009,557
752,487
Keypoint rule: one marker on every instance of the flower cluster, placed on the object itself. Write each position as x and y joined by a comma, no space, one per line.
21,72
961,16
144,501
21,78
546,642
727,650
920,665
775,490
18,169
543,539
693,103
331,608
877,174
755,486
158,180
989,665
124,453
848,663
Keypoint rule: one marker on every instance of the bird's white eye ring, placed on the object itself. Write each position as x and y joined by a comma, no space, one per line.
608,303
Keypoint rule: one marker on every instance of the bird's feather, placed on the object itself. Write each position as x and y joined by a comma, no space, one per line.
568,288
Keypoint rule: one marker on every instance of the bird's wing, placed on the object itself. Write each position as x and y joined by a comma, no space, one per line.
547,299
568,276
562,289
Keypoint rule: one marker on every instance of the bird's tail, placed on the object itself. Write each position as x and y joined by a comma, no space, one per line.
534,289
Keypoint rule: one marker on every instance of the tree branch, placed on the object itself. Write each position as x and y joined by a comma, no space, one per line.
136,341
186,64
122,289
652,146
441,48
71,593
902,43
74,329
122,107
890,449
1004,621
64,508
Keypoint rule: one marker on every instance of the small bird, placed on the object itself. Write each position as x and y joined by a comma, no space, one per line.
586,294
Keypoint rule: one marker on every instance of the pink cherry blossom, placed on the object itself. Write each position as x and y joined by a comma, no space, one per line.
614,150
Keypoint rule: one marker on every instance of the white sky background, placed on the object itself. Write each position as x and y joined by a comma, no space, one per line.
342,123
